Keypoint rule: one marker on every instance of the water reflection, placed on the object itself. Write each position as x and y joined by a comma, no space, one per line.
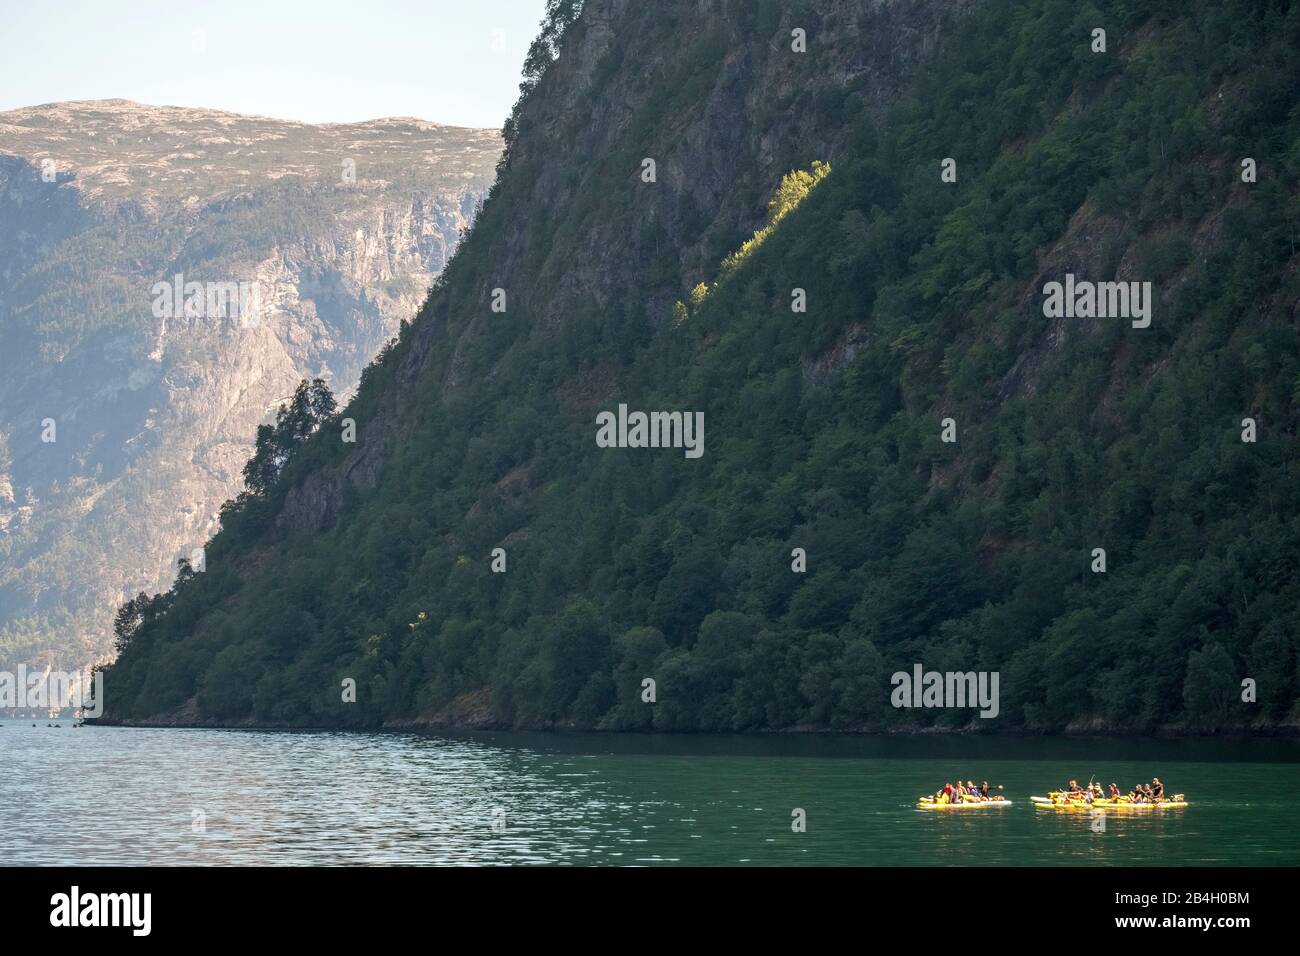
132,796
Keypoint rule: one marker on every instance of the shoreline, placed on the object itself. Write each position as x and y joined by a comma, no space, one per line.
434,728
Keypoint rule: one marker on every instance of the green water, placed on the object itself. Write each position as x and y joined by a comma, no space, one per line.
729,800
117,795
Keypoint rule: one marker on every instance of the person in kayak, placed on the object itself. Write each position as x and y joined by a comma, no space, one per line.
958,792
1114,791
1157,788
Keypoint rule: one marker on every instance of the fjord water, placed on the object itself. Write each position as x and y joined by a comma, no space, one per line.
137,796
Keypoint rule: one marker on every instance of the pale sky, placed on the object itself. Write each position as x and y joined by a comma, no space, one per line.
312,60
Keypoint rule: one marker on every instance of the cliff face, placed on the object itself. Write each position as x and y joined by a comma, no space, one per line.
909,461
336,231
716,95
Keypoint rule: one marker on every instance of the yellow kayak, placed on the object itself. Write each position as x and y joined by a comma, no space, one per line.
1175,802
929,803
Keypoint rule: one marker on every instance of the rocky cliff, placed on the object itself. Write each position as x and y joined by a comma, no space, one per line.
125,419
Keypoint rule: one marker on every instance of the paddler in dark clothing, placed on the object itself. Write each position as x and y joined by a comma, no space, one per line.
1157,789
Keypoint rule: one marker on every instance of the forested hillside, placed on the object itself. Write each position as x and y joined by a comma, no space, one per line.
805,270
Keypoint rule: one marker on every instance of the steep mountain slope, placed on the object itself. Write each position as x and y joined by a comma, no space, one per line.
338,230
832,340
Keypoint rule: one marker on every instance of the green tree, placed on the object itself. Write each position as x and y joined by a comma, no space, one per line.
1210,686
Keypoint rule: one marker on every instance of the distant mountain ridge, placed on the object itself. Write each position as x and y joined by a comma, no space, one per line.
340,229
122,150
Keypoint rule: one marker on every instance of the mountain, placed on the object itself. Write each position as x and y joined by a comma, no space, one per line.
125,419
979,324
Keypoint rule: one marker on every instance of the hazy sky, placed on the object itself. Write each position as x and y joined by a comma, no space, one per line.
319,61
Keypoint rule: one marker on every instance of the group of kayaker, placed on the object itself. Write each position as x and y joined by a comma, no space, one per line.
1152,792
1093,798
958,792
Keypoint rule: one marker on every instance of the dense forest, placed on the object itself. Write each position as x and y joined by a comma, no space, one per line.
874,307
